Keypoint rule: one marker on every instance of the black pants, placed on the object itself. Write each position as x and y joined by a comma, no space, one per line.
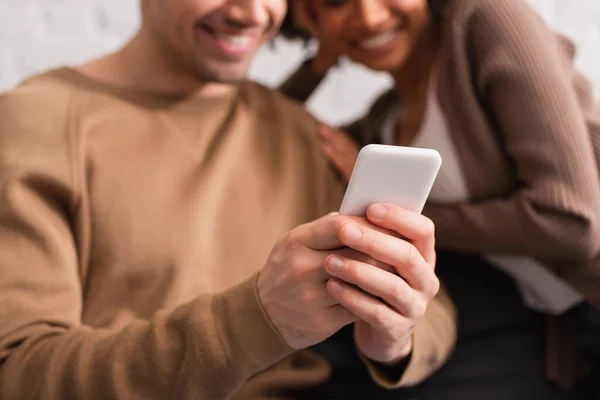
499,353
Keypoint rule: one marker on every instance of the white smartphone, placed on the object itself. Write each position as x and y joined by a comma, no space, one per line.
397,175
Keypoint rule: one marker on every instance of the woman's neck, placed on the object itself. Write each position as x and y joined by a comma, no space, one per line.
412,79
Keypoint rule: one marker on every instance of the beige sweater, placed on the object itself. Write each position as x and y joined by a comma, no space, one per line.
132,227
527,133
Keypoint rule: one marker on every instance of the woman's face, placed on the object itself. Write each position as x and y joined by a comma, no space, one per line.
380,34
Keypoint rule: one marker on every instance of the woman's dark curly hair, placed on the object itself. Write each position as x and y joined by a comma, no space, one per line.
289,30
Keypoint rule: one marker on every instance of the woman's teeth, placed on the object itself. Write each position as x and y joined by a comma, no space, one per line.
377,41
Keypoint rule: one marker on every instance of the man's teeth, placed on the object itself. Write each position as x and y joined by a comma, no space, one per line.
378,41
236,40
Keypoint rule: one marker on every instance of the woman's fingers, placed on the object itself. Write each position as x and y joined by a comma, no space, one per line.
340,149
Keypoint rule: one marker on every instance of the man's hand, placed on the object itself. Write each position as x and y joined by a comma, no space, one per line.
390,298
382,281
292,285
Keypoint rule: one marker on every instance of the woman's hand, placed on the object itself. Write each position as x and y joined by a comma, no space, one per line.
340,149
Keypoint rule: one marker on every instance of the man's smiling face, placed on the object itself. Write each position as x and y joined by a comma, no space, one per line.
215,40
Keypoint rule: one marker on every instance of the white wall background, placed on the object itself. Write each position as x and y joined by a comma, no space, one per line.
39,34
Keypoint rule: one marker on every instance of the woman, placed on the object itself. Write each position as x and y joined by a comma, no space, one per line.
494,91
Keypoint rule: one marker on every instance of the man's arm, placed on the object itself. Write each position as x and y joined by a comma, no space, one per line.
204,349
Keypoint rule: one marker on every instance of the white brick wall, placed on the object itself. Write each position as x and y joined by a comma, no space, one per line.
39,34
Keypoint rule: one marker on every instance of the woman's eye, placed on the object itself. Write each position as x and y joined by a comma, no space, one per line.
333,3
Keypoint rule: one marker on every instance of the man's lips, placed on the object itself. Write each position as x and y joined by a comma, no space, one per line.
230,42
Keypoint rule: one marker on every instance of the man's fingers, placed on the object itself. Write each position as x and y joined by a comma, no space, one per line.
340,315
318,296
366,308
322,234
352,254
417,228
402,255
319,239
378,283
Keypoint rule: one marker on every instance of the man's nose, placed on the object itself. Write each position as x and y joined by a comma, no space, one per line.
248,13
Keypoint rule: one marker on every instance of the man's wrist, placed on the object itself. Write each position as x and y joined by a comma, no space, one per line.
389,374
394,370
400,356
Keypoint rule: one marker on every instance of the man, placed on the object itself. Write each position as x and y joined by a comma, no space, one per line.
155,234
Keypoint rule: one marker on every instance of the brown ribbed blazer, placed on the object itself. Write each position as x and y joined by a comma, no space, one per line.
526,129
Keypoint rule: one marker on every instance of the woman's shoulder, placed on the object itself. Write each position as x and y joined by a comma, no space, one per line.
492,17
501,9
473,27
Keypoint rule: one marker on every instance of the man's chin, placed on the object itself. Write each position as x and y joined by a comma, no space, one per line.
223,75
226,80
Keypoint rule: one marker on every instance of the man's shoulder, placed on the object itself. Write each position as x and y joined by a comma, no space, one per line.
283,116
35,113
277,105
41,86
38,99
292,120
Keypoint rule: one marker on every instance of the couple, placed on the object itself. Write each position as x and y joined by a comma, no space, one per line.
166,226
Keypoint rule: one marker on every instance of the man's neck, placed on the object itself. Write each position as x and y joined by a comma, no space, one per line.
140,65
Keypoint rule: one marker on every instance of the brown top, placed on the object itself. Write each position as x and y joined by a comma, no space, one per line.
528,137
132,226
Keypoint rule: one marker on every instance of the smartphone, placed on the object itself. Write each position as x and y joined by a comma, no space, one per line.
397,175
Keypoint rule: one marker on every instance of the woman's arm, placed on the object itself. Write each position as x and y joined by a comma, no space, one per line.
303,82
524,79
300,23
